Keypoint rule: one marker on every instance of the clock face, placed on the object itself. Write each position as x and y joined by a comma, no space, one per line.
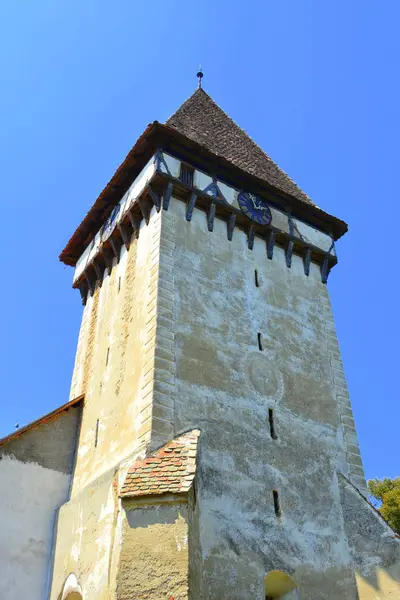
255,208
110,223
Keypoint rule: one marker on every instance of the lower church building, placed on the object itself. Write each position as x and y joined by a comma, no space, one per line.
208,449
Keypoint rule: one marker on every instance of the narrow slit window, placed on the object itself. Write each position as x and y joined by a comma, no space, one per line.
260,345
108,355
271,423
119,283
277,506
96,439
256,280
194,488
186,175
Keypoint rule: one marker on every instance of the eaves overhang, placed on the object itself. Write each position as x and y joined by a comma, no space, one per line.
43,419
161,136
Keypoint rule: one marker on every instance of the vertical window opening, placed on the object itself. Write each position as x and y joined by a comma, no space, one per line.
277,506
186,175
256,280
108,355
271,423
119,283
96,439
260,346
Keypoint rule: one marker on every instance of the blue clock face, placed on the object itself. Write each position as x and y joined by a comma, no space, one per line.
110,223
254,208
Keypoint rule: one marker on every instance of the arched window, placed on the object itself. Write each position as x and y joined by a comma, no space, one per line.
71,589
278,584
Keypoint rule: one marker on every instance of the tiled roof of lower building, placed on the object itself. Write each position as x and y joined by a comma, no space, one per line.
169,470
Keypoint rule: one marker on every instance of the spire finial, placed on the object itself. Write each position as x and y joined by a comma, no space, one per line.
200,75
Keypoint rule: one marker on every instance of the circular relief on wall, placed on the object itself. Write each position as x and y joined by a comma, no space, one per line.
264,376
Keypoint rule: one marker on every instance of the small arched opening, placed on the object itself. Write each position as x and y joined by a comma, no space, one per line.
71,589
278,584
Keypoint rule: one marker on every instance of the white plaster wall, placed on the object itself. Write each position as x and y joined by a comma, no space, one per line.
201,180
313,236
174,165
30,494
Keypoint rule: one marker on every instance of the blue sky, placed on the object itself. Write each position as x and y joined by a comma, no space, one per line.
314,83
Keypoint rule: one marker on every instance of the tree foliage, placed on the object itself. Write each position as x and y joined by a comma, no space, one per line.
386,498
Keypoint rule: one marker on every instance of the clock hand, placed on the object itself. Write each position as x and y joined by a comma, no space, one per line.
257,204
253,200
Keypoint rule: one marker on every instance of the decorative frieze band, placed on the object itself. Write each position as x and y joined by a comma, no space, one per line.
154,187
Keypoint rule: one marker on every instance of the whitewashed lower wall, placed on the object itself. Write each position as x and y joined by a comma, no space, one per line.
30,495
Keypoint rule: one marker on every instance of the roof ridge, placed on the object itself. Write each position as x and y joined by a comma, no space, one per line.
377,512
184,102
42,419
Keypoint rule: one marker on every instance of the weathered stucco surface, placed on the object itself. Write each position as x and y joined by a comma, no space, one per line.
154,553
86,534
35,476
51,444
224,385
373,546
170,343
109,367
30,494
114,369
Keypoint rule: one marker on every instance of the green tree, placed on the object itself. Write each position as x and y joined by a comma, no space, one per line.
386,498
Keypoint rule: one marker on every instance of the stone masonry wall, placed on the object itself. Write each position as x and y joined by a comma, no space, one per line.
191,331
112,364
158,391
118,350
242,350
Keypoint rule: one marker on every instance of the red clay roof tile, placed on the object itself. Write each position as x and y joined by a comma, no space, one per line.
171,469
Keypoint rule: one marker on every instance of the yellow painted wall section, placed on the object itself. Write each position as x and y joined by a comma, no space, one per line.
384,584
114,367
111,364
169,343
154,554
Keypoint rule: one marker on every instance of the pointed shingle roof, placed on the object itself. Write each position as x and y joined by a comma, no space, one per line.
201,127
203,121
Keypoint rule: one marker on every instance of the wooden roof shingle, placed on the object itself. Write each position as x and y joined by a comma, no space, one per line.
202,120
201,128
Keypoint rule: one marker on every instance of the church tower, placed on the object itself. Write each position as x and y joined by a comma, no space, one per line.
217,454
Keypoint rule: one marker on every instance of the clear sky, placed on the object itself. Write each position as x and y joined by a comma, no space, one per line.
314,83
